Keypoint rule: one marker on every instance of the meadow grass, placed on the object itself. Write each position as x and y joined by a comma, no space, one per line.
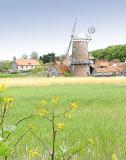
101,117
3,75
40,81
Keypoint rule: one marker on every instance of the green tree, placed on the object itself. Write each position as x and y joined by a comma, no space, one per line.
34,55
5,65
111,53
48,58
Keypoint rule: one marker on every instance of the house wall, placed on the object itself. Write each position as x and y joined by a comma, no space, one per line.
25,68
104,73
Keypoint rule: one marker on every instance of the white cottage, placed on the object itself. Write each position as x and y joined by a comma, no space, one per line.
25,64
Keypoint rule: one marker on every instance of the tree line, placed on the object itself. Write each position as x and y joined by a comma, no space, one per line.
116,52
46,58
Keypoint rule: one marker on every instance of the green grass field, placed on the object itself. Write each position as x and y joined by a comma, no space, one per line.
101,117
2,75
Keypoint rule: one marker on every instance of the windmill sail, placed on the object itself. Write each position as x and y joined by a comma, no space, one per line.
72,35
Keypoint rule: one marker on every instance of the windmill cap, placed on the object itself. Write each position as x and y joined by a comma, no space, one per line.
81,37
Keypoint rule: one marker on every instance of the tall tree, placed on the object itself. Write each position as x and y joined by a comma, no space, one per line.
34,55
51,56
48,58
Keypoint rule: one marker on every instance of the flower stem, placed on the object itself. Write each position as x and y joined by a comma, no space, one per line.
54,137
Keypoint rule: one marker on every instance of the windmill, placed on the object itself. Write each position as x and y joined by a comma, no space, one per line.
79,62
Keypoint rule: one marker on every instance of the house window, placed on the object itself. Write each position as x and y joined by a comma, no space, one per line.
21,66
26,66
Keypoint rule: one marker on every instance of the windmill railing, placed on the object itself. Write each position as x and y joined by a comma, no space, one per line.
84,62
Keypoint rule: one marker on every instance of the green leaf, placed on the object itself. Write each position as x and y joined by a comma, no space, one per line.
4,150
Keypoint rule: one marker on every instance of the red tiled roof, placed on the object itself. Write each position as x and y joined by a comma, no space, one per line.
62,68
27,62
64,62
107,70
120,64
122,68
57,62
102,63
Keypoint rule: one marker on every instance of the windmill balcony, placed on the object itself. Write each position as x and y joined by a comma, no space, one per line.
84,62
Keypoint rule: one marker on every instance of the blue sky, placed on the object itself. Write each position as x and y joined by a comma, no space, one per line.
45,25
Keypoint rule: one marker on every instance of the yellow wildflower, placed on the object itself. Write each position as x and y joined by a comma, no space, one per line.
7,102
73,106
8,99
42,112
91,141
43,102
60,126
30,126
55,100
2,88
114,157
67,115
33,154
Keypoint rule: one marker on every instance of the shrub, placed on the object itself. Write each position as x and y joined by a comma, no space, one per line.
37,70
68,74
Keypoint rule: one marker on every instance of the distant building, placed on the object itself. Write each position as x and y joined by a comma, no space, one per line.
25,64
105,68
58,69
109,71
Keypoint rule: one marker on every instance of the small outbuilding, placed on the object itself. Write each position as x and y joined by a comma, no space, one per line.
58,70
